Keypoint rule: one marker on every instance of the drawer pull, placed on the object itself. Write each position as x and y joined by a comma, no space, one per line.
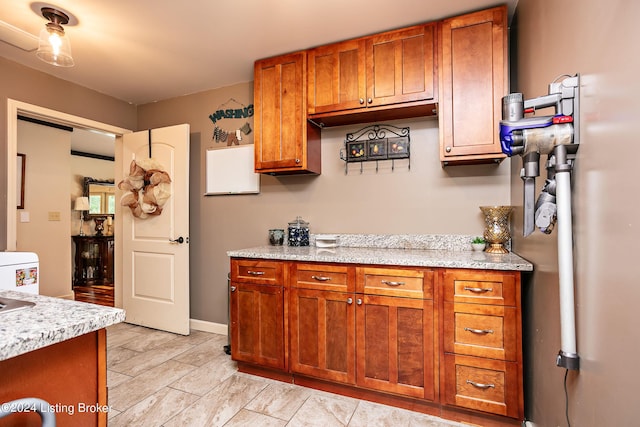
479,331
480,385
255,273
386,282
321,278
477,290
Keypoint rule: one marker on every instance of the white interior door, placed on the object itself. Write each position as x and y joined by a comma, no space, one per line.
155,260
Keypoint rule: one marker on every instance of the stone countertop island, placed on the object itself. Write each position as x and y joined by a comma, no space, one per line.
56,351
50,321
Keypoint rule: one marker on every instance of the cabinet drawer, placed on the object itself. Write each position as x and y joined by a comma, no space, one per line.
395,282
322,277
256,271
483,385
480,287
481,330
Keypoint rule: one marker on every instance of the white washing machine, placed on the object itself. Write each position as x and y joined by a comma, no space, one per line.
19,271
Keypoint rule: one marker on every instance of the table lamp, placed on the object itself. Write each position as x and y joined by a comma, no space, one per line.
82,204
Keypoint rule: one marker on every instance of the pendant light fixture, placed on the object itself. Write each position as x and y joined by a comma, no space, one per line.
54,46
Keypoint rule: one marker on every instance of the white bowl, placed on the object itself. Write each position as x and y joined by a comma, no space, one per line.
326,240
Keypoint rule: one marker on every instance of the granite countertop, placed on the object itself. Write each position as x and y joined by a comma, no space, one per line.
50,321
415,251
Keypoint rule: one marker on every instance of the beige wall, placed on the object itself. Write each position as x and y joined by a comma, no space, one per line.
47,187
599,40
425,199
27,85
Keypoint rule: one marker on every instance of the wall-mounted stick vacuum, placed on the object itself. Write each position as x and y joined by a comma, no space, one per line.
557,136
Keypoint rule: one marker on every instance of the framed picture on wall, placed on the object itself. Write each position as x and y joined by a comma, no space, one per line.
20,168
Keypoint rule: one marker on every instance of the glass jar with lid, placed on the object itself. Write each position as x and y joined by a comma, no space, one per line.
298,232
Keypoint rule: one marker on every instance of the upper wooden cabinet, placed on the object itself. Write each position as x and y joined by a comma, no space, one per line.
337,77
285,142
456,68
385,76
473,80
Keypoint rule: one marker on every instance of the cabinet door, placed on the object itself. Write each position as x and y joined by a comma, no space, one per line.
108,266
93,261
400,66
323,334
473,78
257,324
281,129
394,343
336,77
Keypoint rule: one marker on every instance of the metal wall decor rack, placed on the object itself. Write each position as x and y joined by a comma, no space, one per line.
375,143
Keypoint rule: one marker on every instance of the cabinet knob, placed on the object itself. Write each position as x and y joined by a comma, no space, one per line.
233,289
369,100
359,301
448,149
349,301
361,101
297,161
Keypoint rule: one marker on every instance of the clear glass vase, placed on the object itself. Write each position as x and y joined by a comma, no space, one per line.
496,232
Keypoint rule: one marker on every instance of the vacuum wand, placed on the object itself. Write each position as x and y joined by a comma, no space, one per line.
568,355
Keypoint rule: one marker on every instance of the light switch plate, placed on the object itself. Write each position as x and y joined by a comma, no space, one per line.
24,216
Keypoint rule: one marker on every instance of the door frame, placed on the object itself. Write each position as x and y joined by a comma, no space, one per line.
15,108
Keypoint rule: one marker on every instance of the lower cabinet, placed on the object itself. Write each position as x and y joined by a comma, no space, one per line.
257,324
482,341
323,334
443,341
377,342
257,314
395,336
322,321
71,375
395,346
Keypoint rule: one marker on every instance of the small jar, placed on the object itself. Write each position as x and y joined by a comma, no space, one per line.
298,232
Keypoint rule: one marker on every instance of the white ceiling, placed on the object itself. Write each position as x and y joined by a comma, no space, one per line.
88,141
141,51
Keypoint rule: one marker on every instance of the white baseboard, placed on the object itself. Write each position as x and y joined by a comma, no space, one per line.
204,326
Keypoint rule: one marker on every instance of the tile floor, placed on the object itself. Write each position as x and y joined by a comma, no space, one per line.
157,378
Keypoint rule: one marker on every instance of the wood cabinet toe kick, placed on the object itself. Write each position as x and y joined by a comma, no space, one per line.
441,341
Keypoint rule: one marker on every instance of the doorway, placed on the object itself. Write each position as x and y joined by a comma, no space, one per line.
16,108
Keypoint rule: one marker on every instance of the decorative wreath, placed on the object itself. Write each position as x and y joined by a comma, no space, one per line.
147,188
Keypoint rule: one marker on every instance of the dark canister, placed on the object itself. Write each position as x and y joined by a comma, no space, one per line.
298,232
